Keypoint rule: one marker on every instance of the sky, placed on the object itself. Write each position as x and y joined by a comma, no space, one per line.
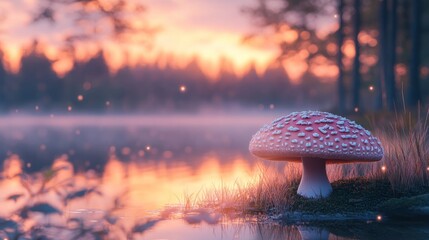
204,30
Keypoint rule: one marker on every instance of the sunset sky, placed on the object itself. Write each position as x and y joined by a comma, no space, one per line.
207,30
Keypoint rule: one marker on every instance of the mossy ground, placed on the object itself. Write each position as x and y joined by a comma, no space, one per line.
351,196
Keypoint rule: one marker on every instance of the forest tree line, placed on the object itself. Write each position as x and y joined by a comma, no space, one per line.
90,86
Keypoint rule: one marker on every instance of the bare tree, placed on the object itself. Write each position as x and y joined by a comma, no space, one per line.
299,16
97,19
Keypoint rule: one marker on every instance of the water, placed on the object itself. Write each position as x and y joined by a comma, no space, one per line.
129,177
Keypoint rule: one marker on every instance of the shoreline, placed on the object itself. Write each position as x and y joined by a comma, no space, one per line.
299,218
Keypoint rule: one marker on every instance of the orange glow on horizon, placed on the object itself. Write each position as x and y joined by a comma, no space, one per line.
180,41
12,57
295,67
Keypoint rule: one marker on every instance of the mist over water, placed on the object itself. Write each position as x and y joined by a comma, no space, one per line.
88,140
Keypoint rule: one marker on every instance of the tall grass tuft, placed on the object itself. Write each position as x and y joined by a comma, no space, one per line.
406,147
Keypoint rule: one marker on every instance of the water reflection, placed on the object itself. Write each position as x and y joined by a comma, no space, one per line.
128,201
127,196
180,230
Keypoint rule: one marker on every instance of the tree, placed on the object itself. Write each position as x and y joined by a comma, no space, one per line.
98,19
2,81
340,39
414,96
391,57
382,59
37,80
293,26
89,78
356,60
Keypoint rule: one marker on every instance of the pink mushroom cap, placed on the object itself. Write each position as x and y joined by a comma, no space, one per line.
314,134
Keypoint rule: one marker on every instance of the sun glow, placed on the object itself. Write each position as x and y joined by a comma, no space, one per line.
208,40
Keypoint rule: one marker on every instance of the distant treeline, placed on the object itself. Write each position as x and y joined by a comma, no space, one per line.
90,87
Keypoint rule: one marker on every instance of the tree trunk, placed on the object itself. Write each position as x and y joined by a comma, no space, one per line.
356,62
340,38
414,96
391,59
382,60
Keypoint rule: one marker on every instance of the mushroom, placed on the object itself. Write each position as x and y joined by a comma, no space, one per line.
315,139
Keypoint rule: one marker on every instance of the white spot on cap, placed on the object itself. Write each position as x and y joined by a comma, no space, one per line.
292,129
302,122
277,132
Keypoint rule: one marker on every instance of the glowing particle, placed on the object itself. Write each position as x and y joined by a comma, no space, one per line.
272,106
126,151
383,168
427,168
28,165
112,149
42,147
182,88
148,147
335,15
36,108
107,103
356,109
379,218
80,97
87,86
371,88
69,108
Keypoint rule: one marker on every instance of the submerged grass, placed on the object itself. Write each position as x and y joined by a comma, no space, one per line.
404,171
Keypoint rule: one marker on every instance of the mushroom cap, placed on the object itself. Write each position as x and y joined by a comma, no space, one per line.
314,134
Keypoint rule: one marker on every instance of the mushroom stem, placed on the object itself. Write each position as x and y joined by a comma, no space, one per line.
314,181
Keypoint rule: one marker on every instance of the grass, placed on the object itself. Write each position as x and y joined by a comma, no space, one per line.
403,172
